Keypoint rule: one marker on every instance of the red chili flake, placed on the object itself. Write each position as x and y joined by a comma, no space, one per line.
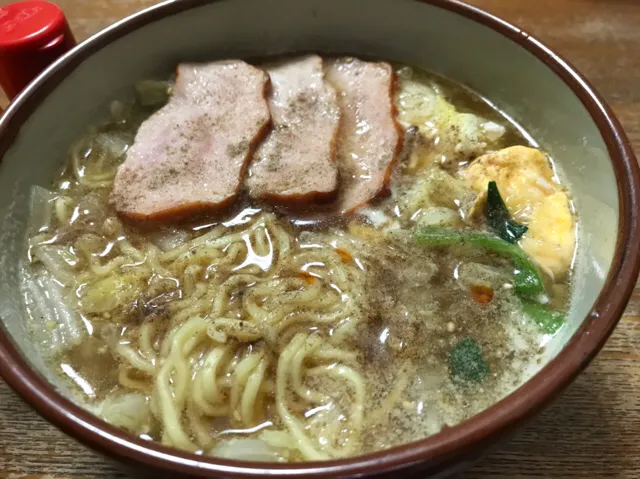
344,255
308,277
481,294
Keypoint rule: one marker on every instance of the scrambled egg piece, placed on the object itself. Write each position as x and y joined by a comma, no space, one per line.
550,239
525,179
444,133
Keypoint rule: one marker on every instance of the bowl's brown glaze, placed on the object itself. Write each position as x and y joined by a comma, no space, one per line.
452,449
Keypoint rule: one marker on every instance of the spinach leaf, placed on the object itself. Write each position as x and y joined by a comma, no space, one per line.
548,321
527,279
466,362
499,218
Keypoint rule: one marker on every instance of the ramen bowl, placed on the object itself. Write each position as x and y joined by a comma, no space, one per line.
514,71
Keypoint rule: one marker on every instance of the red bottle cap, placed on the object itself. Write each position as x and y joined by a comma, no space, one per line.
33,34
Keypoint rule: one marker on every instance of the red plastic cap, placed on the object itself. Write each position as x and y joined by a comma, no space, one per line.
33,34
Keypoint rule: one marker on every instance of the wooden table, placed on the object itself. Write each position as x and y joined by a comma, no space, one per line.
594,429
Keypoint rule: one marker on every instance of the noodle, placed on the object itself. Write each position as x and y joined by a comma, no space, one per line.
303,443
203,368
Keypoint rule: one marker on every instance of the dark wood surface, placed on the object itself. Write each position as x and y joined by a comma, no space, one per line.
593,430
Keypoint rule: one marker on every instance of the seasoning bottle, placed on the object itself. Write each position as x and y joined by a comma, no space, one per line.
33,34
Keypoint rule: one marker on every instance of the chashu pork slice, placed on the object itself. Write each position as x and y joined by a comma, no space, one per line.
370,139
190,157
295,165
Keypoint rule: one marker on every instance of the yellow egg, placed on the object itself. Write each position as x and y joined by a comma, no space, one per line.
550,239
526,182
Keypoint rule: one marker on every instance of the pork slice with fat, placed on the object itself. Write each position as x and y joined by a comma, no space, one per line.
295,165
190,157
370,139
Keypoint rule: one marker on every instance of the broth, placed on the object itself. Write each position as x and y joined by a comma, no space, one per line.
264,334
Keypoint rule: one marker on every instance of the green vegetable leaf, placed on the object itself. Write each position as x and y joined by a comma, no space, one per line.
548,320
527,279
466,362
499,218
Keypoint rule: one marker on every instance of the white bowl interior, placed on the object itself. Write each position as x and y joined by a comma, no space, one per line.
402,30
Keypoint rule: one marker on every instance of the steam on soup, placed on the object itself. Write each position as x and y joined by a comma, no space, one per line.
309,260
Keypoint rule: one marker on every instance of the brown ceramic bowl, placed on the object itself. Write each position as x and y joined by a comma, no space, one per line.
514,70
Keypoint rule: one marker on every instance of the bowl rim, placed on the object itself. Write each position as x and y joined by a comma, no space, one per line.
439,450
